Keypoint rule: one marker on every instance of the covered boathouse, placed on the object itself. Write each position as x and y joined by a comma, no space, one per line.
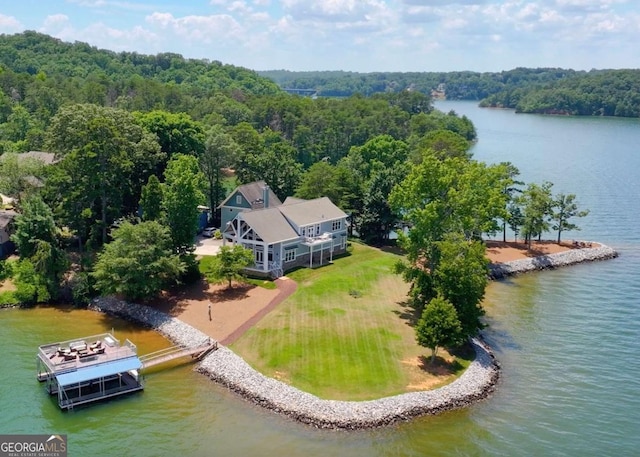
89,369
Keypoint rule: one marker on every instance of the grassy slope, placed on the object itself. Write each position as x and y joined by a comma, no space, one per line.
344,334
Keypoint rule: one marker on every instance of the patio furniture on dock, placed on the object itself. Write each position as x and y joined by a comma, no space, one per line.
80,373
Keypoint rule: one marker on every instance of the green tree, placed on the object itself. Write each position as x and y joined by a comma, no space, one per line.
106,158
17,174
34,223
511,189
564,208
151,200
438,326
220,151
229,264
36,238
182,193
536,202
177,133
321,180
461,277
139,261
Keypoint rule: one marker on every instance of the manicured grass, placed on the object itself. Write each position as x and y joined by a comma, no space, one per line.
345,333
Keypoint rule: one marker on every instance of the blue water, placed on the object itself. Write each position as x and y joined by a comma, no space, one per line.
568,340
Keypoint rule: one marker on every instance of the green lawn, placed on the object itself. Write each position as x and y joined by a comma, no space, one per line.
344,333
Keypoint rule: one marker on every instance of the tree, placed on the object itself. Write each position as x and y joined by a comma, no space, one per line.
536,203
438,326
151,200
177,133
139,261
182,193
461,278
220,151
105,159
34,223
37,240
17,174
377,218
320,180
510,190
564,208
229,264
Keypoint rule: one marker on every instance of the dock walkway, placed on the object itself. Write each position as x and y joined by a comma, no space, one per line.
176,352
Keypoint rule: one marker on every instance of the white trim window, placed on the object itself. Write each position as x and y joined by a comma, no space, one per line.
238,199
290,255
343,242
336,225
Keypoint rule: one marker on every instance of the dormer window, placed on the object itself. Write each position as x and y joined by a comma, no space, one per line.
238,199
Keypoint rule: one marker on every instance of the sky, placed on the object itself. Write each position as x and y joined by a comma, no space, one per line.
350,35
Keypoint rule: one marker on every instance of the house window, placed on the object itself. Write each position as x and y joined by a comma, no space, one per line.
259,255
343,242
336,225
238,199
289,255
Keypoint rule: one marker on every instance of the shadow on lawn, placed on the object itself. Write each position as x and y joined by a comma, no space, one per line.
407,313
174,300
439,366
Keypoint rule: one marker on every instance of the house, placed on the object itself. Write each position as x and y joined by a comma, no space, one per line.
250,196
285,235
7,247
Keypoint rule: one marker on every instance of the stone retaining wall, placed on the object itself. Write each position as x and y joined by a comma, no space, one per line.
560,259
230,370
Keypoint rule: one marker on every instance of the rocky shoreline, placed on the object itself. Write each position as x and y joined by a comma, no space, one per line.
227,368
560,259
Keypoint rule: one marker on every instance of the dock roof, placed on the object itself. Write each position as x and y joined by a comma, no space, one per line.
99,371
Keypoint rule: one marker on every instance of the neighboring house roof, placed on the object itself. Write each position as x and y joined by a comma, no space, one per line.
6,217
308,212
270,225
47,158
6,200
254,194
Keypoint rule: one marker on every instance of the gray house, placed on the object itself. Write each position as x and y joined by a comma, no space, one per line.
286,235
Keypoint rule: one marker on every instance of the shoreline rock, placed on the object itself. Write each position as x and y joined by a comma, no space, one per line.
230,370
545,262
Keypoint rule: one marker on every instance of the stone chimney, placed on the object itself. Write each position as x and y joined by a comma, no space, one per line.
265,196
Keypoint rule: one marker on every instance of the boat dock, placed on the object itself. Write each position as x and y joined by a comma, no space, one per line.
97,367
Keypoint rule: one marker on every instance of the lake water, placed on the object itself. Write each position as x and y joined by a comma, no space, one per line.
568,340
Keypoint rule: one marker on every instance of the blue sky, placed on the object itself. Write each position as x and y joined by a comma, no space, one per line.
355,35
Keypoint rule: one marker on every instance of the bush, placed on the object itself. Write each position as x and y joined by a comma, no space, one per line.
8,298
82,290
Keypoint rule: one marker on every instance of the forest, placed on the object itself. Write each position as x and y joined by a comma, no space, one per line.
527,90
139,142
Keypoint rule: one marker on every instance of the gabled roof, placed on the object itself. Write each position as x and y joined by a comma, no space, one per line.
315,211
269,224
254,194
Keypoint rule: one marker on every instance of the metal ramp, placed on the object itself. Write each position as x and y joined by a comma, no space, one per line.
175,352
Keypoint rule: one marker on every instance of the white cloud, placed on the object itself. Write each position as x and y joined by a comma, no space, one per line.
9,24
220,27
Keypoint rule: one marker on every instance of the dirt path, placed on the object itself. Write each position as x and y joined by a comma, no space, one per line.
232,311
